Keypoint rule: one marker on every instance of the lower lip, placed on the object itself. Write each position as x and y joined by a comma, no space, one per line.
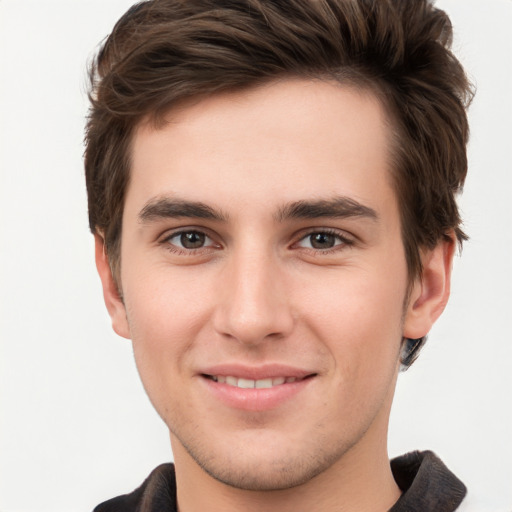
254,399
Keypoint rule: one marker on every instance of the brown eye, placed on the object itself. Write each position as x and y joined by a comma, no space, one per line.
189,240
192,240
322,240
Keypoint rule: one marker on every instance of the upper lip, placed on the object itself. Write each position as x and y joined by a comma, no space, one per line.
268,371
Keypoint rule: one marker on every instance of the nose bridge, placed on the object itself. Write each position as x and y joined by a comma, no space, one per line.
254,304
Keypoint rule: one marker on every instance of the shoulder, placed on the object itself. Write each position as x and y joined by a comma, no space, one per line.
157,493
427,484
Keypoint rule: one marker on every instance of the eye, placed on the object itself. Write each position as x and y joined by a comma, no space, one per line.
189,240
323,240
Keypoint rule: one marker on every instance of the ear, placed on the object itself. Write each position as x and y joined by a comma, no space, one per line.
113,301
431,290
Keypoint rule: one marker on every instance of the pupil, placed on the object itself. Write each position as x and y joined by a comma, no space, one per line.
192,240
322,241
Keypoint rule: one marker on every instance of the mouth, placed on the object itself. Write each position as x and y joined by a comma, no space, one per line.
243,383
262,388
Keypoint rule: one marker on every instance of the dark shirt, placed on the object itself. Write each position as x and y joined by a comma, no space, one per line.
427,485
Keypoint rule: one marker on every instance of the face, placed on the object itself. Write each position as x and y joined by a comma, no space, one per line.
264,280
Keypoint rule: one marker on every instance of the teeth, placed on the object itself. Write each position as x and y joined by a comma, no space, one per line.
263,383
232,381
252,384
246,383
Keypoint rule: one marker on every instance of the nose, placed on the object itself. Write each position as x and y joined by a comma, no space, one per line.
254,301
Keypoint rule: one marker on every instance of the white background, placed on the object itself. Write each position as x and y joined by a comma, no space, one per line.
75,426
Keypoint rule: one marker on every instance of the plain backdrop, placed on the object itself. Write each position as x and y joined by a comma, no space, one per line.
75,425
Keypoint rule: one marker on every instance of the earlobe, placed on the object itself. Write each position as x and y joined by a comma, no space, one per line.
113,301
430,293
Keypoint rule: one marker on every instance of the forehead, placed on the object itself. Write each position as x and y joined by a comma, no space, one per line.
281,142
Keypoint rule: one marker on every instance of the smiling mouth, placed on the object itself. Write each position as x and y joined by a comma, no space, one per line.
242,383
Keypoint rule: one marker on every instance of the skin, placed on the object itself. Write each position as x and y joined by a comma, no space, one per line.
326,294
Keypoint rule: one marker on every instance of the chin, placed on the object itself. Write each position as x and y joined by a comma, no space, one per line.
267,468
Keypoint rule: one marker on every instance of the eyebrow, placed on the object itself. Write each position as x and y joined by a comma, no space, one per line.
165,208
337,207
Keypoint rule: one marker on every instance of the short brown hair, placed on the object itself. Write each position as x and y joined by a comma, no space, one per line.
164,51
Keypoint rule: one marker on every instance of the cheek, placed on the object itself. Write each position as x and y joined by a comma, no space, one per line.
359,319
165,314
162,304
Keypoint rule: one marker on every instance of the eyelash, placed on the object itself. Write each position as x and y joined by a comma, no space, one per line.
166,241
343,240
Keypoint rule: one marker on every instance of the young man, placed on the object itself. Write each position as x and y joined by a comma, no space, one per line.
271,188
